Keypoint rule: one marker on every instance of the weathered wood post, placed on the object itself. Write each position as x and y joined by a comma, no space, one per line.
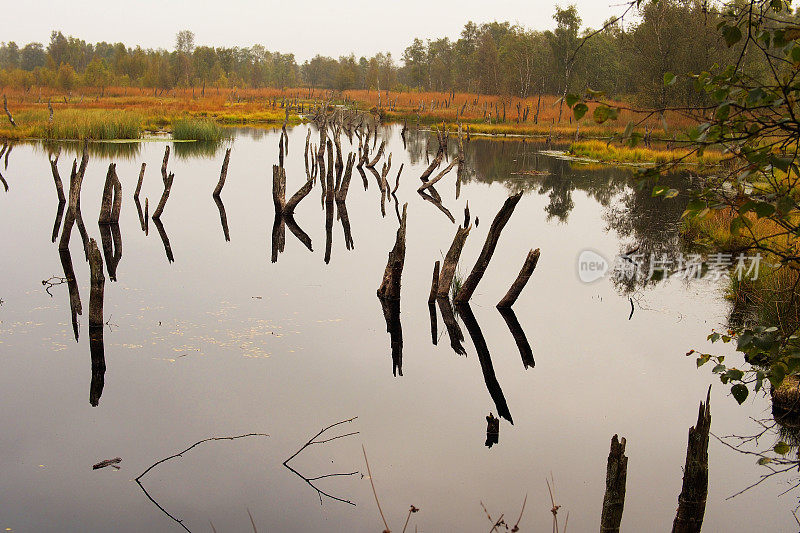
57,176
499,222
278,188
98,280
692,500
223,174
111,204
139,183
522,279
614,499
451,262
390,285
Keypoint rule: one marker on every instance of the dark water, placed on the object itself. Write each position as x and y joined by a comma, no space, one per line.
222,342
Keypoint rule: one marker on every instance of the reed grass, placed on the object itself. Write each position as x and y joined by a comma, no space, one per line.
95,124
196,130
615,153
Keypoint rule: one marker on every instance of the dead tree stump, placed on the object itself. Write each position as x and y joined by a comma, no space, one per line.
57,177
499,222
451,262
692,500
522,280
167,179
139,183
111,204
278,188
223,174
616,474
98,281
390,286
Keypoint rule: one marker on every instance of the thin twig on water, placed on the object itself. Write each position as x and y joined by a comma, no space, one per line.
310,442
180,454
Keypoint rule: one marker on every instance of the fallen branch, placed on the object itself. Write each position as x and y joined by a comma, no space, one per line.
138,479
310,442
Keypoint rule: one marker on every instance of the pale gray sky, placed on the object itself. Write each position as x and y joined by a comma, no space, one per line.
305,27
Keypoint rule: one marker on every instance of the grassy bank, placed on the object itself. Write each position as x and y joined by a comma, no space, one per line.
161,110
616,153
196,130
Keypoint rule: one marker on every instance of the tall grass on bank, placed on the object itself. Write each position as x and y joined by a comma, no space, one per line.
612,153
196,130
95,124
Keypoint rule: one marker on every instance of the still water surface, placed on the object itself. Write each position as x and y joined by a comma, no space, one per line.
223,341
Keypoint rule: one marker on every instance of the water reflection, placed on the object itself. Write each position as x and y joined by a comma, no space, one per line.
111,238
485,359
97,352
196,149
223,218
519,336
162,232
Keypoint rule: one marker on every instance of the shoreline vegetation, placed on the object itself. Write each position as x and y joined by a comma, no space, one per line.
126,113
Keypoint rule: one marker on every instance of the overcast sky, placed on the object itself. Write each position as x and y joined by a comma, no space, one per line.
304,27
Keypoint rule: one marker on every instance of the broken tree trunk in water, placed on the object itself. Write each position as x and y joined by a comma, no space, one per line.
374,162
439,176
692,500
278,188
111,203
451,262
614,499
98,280
139,183
57,176
499,222
223,218
522,280
223,174
390,286
167,179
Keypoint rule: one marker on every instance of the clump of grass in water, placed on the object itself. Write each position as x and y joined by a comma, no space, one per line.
458,281
196,130
96,124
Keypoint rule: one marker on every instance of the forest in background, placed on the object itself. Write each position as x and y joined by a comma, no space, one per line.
626,59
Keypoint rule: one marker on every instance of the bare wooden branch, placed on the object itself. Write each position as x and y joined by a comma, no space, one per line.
499,222
614,499
439,176
451,262
180,454
522,279
397,179
390,286
223,174
312,441
377,157
290,206
692,500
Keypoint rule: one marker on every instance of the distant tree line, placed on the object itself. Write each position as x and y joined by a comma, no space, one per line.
626,59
